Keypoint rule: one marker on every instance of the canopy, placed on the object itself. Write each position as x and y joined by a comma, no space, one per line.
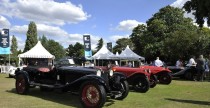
128,54
103,53
38,51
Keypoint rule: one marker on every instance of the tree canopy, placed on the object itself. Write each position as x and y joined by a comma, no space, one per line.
200,9
100,44
170,35
121,44
31,39
76,50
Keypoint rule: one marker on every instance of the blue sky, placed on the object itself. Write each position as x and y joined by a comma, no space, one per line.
66,21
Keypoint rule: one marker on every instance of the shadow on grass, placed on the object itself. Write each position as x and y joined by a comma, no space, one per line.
189,101
67,99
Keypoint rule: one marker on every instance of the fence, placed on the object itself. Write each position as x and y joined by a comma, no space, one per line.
5,69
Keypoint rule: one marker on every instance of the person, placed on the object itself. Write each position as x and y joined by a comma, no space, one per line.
179,63
200,67
129,64
206,72
192,61
158,62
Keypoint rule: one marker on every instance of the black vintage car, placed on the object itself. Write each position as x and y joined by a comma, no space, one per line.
92,85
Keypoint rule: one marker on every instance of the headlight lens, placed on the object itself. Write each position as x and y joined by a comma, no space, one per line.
149,71
98,73
111,72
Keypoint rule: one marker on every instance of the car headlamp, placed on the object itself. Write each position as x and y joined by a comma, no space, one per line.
149,71
111,72
98,72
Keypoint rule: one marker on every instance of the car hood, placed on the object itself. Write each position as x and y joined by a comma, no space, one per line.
77,69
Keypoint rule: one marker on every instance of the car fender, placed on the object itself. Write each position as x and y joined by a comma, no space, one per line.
134,75
75,85
121,75
25,74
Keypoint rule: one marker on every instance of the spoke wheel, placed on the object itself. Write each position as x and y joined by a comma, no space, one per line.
153,81
92,95
141,84
164,78
22,86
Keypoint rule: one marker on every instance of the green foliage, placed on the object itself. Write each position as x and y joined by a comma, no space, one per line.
14,46
56,49
76,50
200,9
170,35
44,41
121,44
31,39
100,44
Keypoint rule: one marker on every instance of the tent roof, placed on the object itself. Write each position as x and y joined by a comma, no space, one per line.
38,51
130,55
103,53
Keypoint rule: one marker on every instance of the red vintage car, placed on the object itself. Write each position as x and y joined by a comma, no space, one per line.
138,78
163,74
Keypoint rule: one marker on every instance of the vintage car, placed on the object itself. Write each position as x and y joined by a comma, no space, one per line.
136,77
163,74
92,85
188,73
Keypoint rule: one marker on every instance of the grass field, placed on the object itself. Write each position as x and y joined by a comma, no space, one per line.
179,94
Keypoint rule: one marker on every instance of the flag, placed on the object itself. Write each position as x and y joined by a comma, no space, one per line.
87,46
4,42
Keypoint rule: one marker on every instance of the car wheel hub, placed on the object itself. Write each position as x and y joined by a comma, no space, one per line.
92,95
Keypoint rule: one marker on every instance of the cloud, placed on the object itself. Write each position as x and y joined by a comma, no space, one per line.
55,33
128,25
114,38
44,11
4,23
179,3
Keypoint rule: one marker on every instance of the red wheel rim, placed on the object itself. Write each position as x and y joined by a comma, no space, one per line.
20,84
90,95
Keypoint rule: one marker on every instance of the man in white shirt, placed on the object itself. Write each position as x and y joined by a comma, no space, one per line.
158,62
192,62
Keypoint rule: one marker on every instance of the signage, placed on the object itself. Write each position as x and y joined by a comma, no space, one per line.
4,41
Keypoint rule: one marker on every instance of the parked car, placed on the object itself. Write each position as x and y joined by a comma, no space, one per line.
136,77
92,85
163,74
188,73
12,71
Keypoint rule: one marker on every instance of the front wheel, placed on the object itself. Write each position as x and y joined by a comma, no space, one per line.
165,78
124,89
22,84
141,84
153,81
92,95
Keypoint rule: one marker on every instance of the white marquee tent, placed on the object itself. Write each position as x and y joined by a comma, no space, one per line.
38,51
103,53
128,54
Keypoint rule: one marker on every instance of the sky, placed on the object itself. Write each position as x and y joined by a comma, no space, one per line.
66,21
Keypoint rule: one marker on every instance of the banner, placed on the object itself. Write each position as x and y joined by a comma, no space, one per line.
109,46
87,46
4,42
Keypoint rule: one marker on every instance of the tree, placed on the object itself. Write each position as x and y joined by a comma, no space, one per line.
31,39
200,9
14,45
56,49
136,38
121,44
14,50
166,36
76,50
100,44
44,41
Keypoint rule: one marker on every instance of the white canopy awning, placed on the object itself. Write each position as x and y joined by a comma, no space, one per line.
38,51
103,53
128,54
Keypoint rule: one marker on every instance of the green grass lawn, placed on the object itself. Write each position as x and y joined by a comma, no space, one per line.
179,94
